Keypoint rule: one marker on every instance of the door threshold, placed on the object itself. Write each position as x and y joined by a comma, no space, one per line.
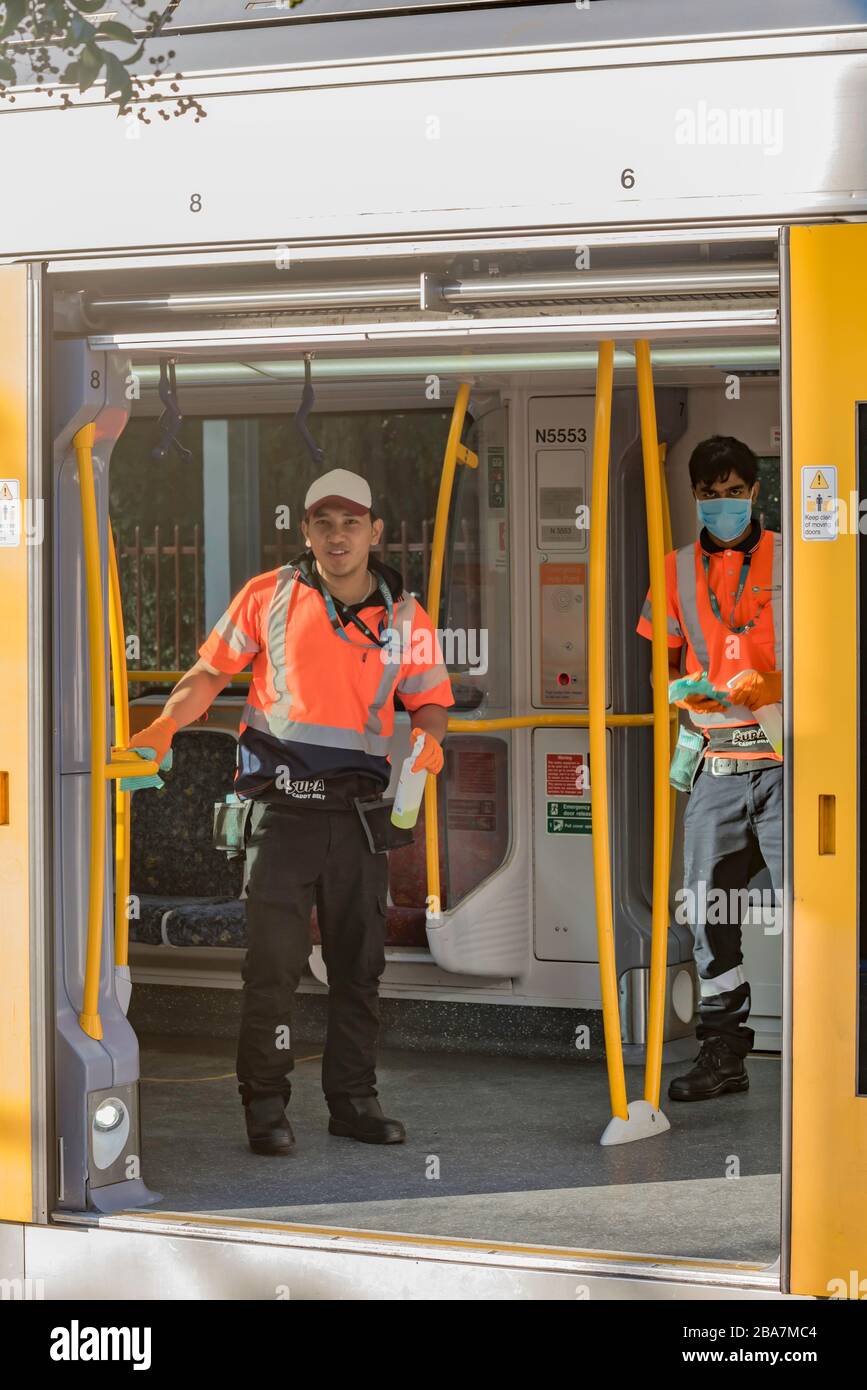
743,1276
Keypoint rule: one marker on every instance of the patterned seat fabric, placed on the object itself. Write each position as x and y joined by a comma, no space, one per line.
188,892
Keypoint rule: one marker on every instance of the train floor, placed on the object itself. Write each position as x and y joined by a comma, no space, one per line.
498,1149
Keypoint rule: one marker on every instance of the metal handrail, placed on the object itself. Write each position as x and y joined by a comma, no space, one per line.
456,453
122,799
598,750
661,725
120,763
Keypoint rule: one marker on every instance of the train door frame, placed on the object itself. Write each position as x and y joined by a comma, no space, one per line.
754,1279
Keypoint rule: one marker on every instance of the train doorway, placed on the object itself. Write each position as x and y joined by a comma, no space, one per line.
493,1040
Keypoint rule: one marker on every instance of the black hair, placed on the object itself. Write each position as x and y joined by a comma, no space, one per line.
714,459
373,515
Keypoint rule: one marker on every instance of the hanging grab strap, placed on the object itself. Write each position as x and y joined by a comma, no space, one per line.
171,419
304,409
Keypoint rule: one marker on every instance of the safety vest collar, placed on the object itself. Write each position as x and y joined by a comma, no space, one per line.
303,565
749,546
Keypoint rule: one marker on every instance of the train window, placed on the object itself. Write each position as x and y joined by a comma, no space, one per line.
189,534
767,508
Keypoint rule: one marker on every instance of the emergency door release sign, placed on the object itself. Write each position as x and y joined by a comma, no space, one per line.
10,512
819,503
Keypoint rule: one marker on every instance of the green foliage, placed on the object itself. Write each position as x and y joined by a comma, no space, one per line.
37,35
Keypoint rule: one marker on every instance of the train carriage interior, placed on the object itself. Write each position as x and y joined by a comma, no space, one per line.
492,1047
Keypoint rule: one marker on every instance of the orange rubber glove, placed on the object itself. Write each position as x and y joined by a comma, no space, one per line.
700,703
431,756
757,688
157,735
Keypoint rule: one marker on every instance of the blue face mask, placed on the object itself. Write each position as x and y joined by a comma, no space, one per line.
725,517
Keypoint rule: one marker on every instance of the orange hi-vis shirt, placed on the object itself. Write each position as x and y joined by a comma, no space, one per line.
711,643
319,707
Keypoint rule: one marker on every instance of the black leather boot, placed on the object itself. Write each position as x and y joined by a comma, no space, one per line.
268,1129
361,1117
717,1070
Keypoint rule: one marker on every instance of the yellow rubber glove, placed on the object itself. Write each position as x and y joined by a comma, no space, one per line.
757,688
157,735
431,756
700,703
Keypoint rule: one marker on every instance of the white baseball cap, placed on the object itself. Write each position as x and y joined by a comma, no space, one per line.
339,485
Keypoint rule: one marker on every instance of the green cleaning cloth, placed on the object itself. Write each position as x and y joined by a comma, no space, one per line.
679,689
139,784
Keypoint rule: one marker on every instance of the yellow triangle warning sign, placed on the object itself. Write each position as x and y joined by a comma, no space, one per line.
819,480
5,493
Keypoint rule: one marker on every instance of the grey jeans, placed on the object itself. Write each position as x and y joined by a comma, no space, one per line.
732,829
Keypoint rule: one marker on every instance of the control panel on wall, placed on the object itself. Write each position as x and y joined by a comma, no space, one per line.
561,432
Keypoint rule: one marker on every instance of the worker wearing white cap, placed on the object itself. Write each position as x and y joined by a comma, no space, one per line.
314,742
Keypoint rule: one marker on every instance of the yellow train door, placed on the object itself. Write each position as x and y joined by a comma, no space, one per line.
825,342
16,743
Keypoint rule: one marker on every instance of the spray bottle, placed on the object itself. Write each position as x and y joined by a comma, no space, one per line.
410,790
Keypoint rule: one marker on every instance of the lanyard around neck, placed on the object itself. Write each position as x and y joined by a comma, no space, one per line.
330,608
745,569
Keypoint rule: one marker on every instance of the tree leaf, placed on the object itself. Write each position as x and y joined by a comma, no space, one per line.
88,6
81,30
7,72
119,33
117,79
89,67
15,12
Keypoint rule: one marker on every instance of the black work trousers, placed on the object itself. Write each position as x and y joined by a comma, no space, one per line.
296,855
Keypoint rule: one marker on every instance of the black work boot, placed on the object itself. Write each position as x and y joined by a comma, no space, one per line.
361,1117
717,1070
268,1129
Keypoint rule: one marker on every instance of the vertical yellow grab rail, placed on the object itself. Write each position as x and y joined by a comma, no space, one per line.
598,735
673,724
83,444
122,802
455,453
100,771
661,725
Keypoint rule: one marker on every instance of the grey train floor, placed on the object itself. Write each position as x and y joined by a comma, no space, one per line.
514,1142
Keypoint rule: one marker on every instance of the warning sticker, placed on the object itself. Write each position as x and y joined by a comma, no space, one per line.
10,511
819,503
568,818
566,774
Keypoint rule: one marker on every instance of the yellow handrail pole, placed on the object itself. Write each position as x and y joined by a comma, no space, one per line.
122,801
675,724
454,450
83,445
661,725
596,715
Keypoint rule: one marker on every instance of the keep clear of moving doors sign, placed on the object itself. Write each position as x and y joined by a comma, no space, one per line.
819,503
